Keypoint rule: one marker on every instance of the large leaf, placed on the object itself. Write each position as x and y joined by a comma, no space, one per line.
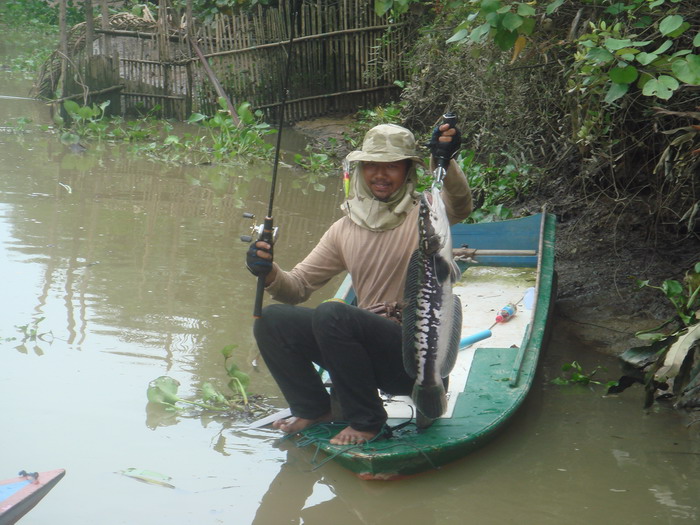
511,21
662,87
688,69
599,54
505,40
613,44
211,394
553,6
624,75
163,390
478,33
677,353
526,10
616,91
670,24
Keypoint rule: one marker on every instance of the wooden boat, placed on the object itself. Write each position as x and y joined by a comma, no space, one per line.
19,495
503,262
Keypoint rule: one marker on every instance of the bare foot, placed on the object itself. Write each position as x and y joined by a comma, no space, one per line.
350,436
292,425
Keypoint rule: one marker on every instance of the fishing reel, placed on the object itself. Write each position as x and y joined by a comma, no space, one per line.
259,231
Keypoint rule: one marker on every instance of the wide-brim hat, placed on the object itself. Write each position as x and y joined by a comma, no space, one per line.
387,143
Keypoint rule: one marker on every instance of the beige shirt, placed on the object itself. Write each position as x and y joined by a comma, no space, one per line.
377,261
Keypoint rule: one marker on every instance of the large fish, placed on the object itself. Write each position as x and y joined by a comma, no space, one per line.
432,315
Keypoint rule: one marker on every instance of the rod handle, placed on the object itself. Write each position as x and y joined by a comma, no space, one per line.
266,236
451,119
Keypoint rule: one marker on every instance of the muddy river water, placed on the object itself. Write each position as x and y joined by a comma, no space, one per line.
116,270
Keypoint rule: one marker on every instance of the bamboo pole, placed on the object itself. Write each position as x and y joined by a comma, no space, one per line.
89,28
63,44
104,23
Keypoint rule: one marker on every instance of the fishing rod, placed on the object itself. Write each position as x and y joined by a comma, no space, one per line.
442,161
266,232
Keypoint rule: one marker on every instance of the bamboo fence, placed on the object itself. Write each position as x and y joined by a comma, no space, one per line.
344,58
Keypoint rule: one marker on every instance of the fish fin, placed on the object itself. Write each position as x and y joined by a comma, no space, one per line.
431,401
408,322
456,272
455,338
443,269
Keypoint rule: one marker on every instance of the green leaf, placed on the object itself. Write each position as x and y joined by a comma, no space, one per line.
210,393
696,40
196,117
646,58
227,351
616,91
624,75
87,113
478,33
684,27
662,87
663,47
505,39
553,6
526,10
528,26
490,6
598,54
163,390
381,7
71,107
671,287
669,24
511,21
458,36
688,70
613,44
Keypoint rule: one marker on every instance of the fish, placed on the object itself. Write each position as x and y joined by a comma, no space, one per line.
432,314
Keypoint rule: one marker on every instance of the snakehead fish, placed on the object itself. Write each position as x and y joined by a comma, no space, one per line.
432,315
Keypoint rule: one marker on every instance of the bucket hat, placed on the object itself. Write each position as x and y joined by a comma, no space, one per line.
387,143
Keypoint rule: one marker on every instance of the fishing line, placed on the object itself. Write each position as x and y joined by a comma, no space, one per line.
267,232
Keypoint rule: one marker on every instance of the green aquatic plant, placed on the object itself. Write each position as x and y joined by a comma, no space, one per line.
230,139
163,390
575,375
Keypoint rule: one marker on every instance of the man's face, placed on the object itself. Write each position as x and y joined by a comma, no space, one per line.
384,178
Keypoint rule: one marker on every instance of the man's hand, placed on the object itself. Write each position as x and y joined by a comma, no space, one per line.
445,141
258,258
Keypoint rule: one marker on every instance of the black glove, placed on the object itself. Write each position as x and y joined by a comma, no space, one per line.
445,150
256,265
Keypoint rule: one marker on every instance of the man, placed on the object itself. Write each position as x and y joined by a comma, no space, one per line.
359,346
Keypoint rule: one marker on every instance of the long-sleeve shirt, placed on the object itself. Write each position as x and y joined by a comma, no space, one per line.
377,261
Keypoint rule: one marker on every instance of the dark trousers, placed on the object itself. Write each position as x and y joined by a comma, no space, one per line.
360,350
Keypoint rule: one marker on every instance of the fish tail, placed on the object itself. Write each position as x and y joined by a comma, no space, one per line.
431,401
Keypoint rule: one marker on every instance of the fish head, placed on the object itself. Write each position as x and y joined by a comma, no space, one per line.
433,225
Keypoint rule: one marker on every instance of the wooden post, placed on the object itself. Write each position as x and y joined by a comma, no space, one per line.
189,95
164,53
104,19
63,44
89,28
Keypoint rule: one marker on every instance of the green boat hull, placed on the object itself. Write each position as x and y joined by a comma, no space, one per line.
499,378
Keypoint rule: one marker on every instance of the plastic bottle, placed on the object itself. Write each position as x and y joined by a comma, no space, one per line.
506,313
